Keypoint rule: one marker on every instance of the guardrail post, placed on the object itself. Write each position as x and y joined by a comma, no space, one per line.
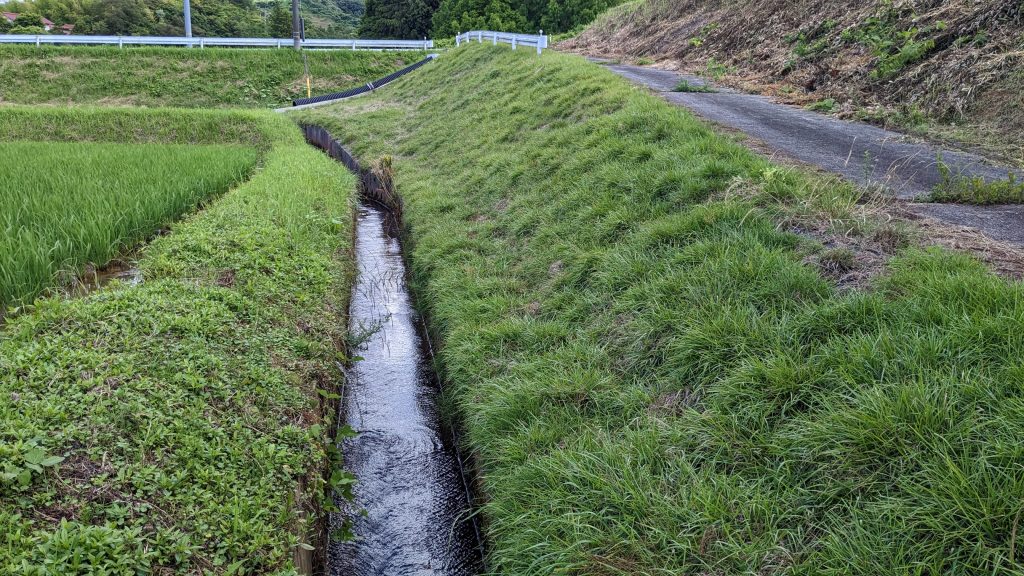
37,41
495,35
540,43
424,42
120,42
202,43
458,40
514,38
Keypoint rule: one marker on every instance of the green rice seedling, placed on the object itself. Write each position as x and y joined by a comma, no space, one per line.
651,377
65,205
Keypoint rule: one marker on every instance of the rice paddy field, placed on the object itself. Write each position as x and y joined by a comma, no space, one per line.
64,205
182,425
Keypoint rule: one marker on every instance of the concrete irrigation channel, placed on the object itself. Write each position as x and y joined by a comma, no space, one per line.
412,513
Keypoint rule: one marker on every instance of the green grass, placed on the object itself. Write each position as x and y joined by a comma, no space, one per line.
651,378
685,86
65,205
960,189
826,106
180,426
207,78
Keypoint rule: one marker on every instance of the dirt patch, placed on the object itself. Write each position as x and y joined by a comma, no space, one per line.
1004,258
674,403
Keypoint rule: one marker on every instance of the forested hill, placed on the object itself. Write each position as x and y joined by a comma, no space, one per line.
334,18
209,17
324,18
446,18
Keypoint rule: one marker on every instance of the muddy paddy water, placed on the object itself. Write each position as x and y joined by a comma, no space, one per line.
411,514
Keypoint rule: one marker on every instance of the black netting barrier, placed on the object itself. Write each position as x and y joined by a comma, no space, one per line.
368,87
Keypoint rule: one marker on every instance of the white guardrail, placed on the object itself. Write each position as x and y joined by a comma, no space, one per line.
540,41
122,41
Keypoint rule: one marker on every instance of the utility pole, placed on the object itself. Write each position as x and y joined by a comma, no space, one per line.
296,25
188,19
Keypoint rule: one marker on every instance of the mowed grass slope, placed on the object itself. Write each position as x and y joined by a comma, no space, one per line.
652,378
64,205
176,427
181,77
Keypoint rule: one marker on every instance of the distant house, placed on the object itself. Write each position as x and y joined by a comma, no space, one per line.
46,22
67,29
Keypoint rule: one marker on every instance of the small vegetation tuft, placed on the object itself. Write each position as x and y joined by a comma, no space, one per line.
962,189
686,86
826,106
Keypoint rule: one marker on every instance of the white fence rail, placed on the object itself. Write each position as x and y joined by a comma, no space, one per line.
122,41
539,41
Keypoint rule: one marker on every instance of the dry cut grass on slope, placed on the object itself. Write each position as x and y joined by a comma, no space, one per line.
948,69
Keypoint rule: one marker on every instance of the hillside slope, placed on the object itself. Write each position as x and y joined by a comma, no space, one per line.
931,65
327,18
179,77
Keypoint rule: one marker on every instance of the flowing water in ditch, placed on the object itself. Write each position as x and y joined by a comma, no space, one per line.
411,510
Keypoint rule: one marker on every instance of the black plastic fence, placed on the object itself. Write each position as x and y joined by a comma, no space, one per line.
368,87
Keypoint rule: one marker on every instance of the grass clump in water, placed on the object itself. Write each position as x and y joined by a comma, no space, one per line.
178,426
651,378
64,205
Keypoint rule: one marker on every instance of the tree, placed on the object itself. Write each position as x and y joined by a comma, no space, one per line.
454,16
28,19
279,23
397,18
553,16
5,26
34,30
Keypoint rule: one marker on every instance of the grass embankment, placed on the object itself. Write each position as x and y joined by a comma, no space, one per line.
181,77
64,205
176,426
651,377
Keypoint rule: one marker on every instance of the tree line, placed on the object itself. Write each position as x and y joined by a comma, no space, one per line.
224,18
440,18
382,18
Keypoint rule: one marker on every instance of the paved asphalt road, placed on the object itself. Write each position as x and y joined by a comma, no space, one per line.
859,152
